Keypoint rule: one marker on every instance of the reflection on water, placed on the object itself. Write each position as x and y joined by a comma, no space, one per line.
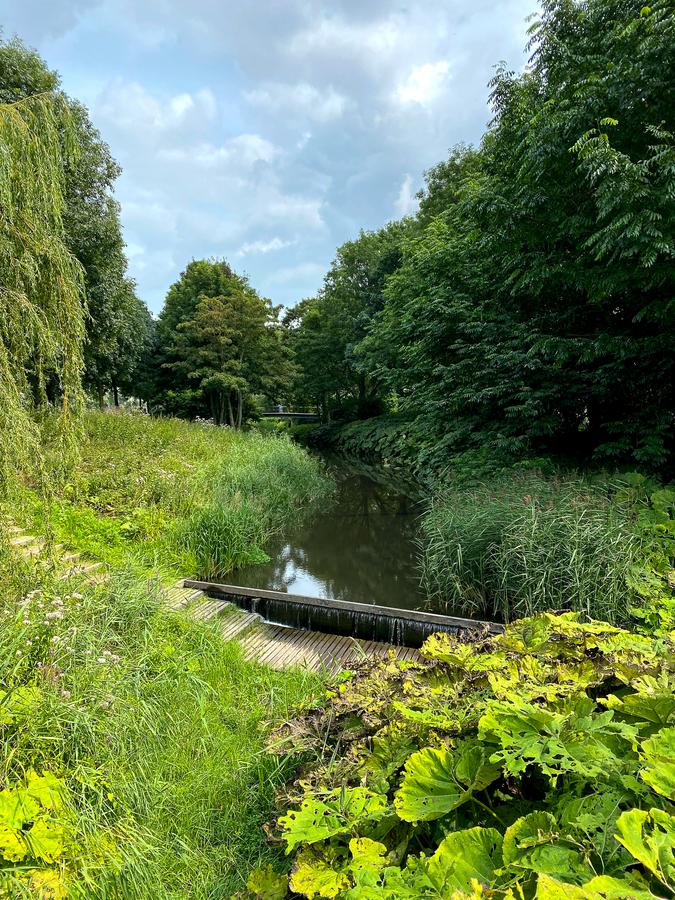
362,549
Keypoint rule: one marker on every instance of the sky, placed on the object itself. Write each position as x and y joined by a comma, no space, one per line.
268,132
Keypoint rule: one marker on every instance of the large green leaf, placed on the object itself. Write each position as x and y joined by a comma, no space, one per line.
658,752
318,820
650,838
317,873
533,842
568,738
463,856
437,781
602,887
658,708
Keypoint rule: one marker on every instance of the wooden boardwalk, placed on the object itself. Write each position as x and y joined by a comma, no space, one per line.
273,645
276,645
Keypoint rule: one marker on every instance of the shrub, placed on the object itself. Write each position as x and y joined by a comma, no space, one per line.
537,763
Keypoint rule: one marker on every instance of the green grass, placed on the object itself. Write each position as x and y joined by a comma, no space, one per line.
191,499
526,544
155,726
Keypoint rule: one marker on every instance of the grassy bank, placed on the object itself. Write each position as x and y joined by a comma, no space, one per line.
131,737
163,492
148,731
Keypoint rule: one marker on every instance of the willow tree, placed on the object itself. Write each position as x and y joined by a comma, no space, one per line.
42,310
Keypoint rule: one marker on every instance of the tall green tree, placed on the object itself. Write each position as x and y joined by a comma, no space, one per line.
42,308
219,344
113,339
173,391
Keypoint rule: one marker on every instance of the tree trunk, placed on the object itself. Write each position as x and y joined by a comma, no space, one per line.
116,396
230,413
240,408
362,396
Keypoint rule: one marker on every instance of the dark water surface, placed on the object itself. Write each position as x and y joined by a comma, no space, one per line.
361,548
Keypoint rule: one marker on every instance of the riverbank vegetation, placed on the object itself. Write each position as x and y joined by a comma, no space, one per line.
536,764
511,345
171,495
130,743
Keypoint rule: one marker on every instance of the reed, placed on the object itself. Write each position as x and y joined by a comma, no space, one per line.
515,547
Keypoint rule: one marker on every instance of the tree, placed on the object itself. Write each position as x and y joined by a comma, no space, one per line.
233,349
535,313
327,330
91,224
217,345
42,306
173,390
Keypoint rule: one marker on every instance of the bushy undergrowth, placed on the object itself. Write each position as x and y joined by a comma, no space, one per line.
189,497
381,439
540,763
130,739
525,544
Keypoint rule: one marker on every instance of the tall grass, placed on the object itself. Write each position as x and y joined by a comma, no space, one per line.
518,546
155,726
268,483
189,498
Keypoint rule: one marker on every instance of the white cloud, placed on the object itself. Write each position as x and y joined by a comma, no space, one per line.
130,106
308,271
337,36
406,202
276,243
243,151
300,99
424,84
291,209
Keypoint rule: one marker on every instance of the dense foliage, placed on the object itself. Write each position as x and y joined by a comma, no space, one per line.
118,325
219,348
536,763
528,308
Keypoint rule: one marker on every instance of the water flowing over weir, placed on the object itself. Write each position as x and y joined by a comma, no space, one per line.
399,627
351,569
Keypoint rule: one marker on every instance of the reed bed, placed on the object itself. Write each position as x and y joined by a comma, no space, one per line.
515,547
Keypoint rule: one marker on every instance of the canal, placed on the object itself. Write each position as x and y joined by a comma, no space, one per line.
362,548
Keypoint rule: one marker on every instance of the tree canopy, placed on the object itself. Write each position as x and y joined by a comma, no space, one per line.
219,345
530,310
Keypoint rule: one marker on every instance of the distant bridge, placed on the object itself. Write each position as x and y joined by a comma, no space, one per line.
286,414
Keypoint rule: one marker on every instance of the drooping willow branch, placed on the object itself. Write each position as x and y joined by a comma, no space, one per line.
42,306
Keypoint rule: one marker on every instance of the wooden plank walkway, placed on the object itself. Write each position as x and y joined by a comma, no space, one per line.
278,646
272,645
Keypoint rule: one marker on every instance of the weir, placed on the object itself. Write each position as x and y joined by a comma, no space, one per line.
385,624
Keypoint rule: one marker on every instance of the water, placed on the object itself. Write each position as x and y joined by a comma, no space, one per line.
361,549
